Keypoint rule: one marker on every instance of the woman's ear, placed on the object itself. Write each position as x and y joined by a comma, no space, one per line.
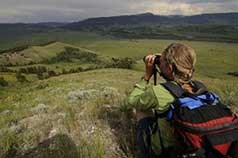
171,68
171,71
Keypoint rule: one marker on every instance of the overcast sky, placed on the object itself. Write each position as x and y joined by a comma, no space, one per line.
32,11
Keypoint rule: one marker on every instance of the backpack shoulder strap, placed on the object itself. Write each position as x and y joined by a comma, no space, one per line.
175,89
200,87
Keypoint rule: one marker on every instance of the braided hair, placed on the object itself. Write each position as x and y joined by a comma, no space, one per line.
183,59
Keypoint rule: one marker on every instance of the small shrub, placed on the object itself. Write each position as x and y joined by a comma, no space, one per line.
64,71
125,63
235,74
23,70
33,70
20,77
40,76
51,73
79,69
42,85
72,70
5,69
3,82
42,69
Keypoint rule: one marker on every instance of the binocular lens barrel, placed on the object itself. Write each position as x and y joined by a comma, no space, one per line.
156,60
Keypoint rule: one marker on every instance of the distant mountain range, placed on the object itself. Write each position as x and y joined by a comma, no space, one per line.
206,27
209,27
151,19
138,19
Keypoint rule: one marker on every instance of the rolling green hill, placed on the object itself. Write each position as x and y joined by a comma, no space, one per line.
37,54
214,59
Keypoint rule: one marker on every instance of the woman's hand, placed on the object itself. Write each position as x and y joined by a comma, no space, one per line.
149,66
138,115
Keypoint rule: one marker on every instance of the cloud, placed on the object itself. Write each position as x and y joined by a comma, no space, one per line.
74,10
208,1
186,7
166,8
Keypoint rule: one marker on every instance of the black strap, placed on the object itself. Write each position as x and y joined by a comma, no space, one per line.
200,87
157,129
155,74
148,140
177,91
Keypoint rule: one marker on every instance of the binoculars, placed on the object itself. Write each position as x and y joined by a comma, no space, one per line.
156,60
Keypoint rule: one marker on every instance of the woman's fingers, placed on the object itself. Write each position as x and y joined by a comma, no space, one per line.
150,59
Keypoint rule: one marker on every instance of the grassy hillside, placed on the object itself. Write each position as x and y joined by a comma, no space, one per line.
214,59
88,107
37,54
85,109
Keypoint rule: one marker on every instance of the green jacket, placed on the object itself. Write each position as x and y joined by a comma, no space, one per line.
146,97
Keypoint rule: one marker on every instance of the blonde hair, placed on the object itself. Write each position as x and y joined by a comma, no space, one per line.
183,59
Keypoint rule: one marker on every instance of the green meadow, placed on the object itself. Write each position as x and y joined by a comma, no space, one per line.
90,106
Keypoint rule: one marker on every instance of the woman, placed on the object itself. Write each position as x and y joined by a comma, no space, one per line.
151,102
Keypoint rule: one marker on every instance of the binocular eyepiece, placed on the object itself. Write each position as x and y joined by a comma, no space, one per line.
156,59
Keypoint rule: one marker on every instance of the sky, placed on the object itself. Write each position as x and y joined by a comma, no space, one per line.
33,11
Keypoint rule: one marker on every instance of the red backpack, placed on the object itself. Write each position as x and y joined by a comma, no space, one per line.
206,127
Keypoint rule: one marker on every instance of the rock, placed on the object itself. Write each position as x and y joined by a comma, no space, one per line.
53,132
82,94
16,129
40,108
5,112
59,146
109,92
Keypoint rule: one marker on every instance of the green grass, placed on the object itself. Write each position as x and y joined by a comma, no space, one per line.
44,37
99,125
92,123
80,116
214,59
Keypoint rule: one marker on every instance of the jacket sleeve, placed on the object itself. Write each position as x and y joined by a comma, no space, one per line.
145,97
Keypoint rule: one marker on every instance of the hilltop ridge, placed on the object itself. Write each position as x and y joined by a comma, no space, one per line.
150,18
